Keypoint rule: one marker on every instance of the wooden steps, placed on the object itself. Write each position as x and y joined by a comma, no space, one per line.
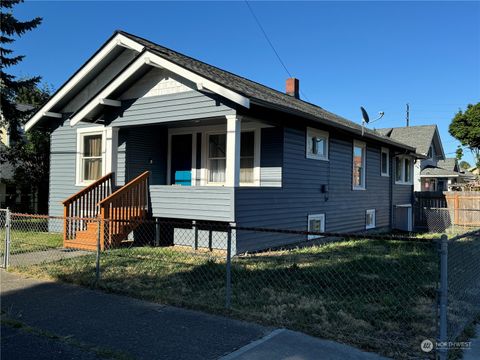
118,213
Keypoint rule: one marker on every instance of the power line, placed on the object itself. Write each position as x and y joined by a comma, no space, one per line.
271,45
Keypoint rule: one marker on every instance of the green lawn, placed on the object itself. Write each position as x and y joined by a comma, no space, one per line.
28,241
377,295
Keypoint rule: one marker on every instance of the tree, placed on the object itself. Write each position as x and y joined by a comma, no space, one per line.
10,87
465,127
30,155
459,153
464,165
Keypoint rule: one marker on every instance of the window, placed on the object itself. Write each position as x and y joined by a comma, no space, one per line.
403,170
370,219
317,144
359,149
384,162
431,153
217,146
247,157
92,157
91,162
316,223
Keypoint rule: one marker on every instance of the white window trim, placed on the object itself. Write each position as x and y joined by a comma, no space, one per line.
94,130
321,133
320,217
402,181
205,131
205,139
385,151
374,225
357,143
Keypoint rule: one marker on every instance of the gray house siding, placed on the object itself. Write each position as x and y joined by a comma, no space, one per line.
289,206
190,202
142,149
63,151
172,107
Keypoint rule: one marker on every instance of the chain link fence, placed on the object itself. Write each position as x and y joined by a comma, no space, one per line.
463,277
380,292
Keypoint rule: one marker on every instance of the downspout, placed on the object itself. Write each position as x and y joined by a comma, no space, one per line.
392,165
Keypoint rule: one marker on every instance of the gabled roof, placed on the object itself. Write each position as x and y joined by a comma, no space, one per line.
260,94
252,91
419,137
445,168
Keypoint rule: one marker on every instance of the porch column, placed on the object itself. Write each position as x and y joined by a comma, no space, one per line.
111,150
232,171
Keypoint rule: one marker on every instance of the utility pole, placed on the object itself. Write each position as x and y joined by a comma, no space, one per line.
408,115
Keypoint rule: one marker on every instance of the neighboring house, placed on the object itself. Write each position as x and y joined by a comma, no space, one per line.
433,171
474,170
219,148
10,194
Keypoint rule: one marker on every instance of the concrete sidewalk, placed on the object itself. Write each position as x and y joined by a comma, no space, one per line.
137,329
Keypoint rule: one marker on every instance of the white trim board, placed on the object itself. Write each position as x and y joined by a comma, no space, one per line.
117,40
151,59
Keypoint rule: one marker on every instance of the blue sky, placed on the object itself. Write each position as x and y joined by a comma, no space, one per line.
346,54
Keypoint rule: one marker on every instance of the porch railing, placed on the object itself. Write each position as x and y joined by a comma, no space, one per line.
124,210
83,205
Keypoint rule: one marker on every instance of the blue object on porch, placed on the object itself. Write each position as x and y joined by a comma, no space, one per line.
183,178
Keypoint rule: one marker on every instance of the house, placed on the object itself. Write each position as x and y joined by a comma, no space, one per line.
215,147
11,195
433,171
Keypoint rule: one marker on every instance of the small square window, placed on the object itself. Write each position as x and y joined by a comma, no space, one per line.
316,223
317,144
370,219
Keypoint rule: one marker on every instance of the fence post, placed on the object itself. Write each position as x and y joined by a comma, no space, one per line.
157,232
228,284
6,255
443,300
97,258
195,243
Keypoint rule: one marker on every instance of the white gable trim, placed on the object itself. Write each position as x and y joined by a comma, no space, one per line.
199,80
157,61
118,40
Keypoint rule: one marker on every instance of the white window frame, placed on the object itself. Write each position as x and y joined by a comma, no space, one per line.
206,157
402,180
313,132
320,217
363,145
385,151
374,217
201,178
81,133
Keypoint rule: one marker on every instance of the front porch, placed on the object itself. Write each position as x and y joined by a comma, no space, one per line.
161,171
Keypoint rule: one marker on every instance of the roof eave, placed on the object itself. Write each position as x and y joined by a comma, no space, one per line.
327,122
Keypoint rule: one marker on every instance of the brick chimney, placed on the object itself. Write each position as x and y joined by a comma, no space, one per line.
293,87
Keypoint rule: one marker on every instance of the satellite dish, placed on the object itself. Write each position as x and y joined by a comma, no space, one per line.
365,117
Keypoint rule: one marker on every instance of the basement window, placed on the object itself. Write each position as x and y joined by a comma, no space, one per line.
316,223
370,219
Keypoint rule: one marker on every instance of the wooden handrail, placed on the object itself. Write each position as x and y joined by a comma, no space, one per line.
123,210
109,176
125,187
84,204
